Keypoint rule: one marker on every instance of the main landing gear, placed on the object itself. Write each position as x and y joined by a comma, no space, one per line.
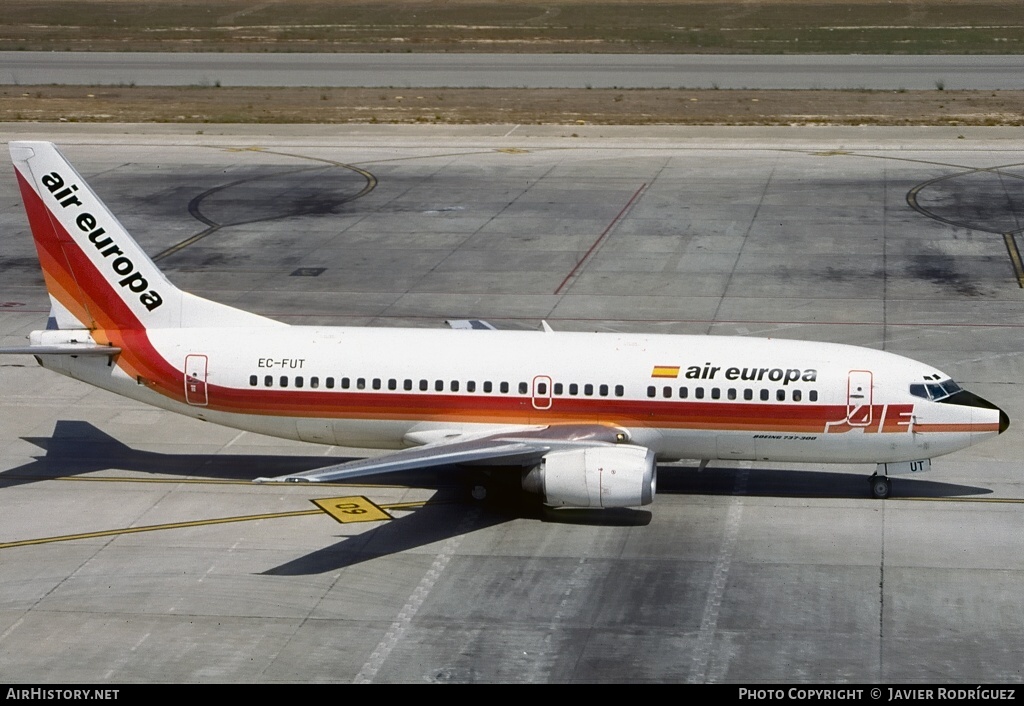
880,486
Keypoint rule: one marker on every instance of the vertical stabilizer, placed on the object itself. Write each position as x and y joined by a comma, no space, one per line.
97,275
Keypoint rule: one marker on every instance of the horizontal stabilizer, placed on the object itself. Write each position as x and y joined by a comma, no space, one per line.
63,349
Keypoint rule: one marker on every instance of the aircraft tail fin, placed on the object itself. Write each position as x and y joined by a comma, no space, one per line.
97,276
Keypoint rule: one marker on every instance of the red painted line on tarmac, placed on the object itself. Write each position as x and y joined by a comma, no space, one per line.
600,238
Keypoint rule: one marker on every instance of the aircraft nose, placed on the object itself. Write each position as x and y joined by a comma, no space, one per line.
983,404
969,399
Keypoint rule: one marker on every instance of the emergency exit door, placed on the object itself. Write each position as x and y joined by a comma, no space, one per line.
858,398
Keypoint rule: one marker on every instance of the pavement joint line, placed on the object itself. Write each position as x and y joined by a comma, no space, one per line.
400,626
703,654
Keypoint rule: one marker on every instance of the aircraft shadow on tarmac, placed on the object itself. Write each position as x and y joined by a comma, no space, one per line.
775,483
77,448
435,522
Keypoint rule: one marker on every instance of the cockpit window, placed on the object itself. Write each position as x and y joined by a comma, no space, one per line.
935,391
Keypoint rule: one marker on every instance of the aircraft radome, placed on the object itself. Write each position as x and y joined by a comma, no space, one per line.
580,418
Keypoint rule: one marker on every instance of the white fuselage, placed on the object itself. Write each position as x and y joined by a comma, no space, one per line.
682,396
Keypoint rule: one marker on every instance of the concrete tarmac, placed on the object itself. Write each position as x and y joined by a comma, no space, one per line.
134,548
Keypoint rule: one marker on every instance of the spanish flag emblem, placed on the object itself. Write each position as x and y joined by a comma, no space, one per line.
665,371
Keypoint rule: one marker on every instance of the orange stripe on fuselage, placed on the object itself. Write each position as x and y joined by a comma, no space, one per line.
938,428
495,409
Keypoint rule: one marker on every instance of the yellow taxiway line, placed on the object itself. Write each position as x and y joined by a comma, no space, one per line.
343,509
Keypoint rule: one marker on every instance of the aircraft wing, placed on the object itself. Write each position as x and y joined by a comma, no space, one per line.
515,448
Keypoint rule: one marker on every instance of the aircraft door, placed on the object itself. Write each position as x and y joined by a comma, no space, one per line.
195,380
541,392
859,398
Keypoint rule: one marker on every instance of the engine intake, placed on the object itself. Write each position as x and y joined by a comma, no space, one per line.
595,476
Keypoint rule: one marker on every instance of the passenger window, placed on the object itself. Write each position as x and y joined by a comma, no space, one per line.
748,394
314,383
268,381
361,383
797,395
455,385
504,388
715,393
603,390
813,395
407,384
764,395
424,385
284,381
732,393
683,393
488,387
558,388
298,381
651,392
376,383
588,389
699,393
253,379
620,390
523,388
780,395
574,389
330,383
438,385
345,383
542,388
470,386
392,384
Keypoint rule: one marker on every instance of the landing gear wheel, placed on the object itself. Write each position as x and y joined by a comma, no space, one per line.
880,487
477,486
478,492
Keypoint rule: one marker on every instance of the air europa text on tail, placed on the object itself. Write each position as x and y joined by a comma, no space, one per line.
120,263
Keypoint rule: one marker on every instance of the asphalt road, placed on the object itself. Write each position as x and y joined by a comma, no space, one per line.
515,70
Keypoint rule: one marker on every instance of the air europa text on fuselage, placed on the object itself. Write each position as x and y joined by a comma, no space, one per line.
785,376
130,277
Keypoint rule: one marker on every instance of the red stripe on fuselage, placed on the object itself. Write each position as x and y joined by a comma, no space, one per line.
512,409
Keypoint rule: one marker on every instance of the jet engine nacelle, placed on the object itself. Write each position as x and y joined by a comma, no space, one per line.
595,476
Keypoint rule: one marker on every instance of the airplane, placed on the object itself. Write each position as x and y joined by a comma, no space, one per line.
581,419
